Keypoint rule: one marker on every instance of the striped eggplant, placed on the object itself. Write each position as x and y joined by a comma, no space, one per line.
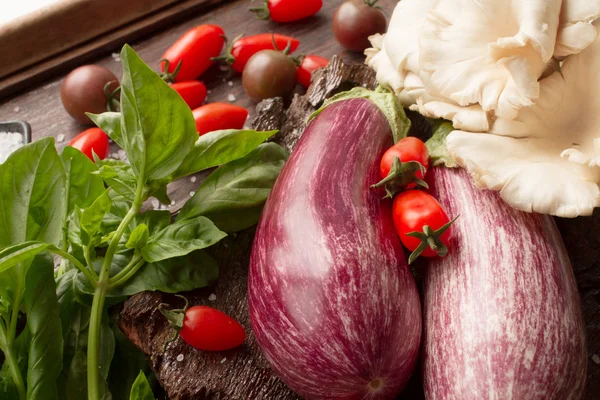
502,311
333,305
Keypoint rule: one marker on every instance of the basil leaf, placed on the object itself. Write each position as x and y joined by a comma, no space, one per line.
118,175
13,255
158,126
76,383
110,123
118,209
155,220
83,187
43,321
220,147
233,196
8,390
180,274
92,217
138,238
32,200
182,238
141,389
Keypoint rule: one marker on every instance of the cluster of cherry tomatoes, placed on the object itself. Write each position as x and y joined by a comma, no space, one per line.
422,224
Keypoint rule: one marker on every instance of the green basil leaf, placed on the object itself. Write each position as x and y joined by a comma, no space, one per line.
110,123
118,175
32,201
179,274
141,389
182,238
92,217
158,126
76,383
43,321
118,210
220,147
138,238
83,187
13,255
233,196
8,390
155,220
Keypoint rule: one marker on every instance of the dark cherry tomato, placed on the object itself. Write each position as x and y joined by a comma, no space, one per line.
309,65
356,20
422,223
269,73
287,10
218,116
208,329
92,139
242,49
83,90
195,51
192,92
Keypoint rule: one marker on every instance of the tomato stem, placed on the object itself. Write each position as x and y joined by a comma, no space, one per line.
112,96
262,12
167,76
401,175
430,238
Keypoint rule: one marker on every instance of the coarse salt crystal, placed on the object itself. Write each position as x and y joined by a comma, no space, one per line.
155,204
17,109
596,359
9,142
60,138
192,193
231,97
173,202
223,360
193,179
230,83
180,358
116,57
212,297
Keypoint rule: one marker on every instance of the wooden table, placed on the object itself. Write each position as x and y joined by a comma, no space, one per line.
41,107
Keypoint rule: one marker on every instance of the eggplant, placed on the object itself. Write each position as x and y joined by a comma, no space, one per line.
333,304
502,312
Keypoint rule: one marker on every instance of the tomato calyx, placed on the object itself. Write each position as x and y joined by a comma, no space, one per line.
401,175
430,238
262,12
167,76
372,3
228,57
112,96
175,318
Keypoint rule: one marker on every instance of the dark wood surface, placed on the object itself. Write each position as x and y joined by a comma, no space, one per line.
40,106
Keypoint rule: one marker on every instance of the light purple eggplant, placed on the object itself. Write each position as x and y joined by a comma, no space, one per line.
503,319
333,305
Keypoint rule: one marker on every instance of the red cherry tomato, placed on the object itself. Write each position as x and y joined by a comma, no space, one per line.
91,139
309,65
407,149
208,329
244,48
287,10
192,92
413,210
219,116
195,50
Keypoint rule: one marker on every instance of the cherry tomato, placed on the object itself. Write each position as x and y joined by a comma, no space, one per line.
309,65
269,73
356,20
83,90
195,51
287,10
241,50
208,329
92,139
417,211
218,116
407,149
192,92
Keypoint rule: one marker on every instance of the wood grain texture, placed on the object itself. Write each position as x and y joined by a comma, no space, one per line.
40,105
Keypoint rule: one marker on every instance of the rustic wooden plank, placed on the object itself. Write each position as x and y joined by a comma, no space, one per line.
79,30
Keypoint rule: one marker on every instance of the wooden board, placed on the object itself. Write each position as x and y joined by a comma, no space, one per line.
40,105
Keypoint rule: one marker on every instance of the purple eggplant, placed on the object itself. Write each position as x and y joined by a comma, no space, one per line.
502,312
333,304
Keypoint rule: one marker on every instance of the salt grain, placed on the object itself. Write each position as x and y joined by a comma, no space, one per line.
9,142
60,138
193,179
208,91
173,202
17,109
230,83
212,297
192,193
116,57
180,358
223,360
155,204
596,359
231,97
